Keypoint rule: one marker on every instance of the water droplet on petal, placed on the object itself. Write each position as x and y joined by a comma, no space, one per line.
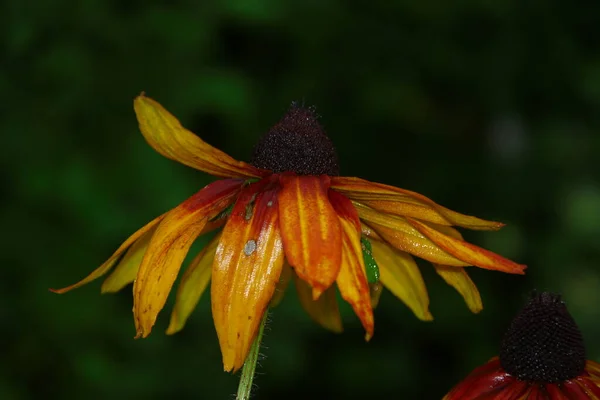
250,247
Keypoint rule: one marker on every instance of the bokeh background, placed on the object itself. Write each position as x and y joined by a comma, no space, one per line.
490,108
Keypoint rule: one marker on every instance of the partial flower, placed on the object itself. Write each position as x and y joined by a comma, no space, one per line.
287,216
542,357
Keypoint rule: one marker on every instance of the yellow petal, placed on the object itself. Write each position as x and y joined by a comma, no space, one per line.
403,236
352,278
310,230
126,270
108,264
193,283
324,310
460,280
169,246
284,280
246,270
407,202
467,252
401,276
375,290
166,135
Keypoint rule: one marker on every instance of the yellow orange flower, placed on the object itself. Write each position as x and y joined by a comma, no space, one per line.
542,357
287,216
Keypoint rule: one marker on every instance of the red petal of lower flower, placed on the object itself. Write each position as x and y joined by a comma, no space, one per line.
169,246
467,252
246,271
490,382
310,230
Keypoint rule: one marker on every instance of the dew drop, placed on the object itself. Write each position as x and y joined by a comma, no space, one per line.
270,203
250,247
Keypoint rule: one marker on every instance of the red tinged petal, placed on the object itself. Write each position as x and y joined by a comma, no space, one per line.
324,310
467,252
490,382
246,271
352,279
403,202
108,264
169,246
310,230
166,135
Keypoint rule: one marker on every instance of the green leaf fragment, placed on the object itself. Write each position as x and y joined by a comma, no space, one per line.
371,267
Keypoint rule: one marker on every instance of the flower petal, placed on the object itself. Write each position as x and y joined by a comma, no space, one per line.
192,285
403,236
401,275
246,270
352,279
460,280
324,310
363,190
467,252
108,264
169,246
487,382
310,230
284,280
166,135
126,270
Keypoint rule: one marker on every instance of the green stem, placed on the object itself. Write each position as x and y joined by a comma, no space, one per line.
249,367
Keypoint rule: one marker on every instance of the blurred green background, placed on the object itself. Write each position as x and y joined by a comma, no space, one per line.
489,108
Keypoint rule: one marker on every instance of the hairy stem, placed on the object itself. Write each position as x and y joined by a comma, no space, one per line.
249,367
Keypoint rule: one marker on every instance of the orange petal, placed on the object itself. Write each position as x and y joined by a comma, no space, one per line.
166,135
409,203
108,264
284,280
402,235
401,276
467,252
310,230
324,310
352,279
126,270
193,283
246,270
169,246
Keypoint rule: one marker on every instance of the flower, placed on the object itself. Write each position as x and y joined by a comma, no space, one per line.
287,214
542,357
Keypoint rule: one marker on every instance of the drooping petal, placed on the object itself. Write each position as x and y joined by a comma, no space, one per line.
108,264
401,276
460,280
284,280
467,252
403,236
352,279
192,285
169,246
246,270
325,310
126,270
409,203
168,137
310,230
